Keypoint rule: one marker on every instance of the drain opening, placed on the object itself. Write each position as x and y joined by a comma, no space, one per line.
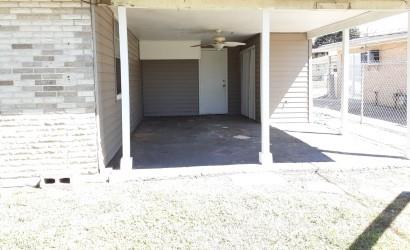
65,180
49,180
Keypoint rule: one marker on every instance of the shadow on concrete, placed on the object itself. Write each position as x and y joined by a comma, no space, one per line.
310,132
210,140
375,230
363,154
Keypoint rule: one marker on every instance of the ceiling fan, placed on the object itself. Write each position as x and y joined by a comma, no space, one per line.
220,42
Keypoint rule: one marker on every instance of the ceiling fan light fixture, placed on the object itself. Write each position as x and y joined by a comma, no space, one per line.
219,46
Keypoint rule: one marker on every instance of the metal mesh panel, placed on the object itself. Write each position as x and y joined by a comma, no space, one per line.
377,91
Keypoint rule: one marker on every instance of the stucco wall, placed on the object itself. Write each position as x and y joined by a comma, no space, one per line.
47,102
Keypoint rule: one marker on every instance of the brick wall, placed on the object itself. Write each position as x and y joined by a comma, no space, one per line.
47,99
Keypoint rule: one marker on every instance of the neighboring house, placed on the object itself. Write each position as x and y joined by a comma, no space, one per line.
378,63
69,99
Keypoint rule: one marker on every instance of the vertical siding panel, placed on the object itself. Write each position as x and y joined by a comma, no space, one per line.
255,41
234,81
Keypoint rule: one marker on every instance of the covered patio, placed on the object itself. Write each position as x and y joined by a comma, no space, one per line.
192,132
206,141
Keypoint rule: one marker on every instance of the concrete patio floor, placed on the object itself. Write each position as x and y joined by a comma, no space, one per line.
174,142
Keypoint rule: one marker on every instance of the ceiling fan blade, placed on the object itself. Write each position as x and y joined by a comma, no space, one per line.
233,44
202,45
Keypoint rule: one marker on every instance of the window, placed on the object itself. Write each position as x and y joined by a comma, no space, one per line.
374,56
117,60
371,56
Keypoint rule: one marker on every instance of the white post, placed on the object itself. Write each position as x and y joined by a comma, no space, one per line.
408,85
126,160
344,110
310,82
265,156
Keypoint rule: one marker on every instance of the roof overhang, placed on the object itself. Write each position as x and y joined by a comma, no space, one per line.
366,17
258,4
365,41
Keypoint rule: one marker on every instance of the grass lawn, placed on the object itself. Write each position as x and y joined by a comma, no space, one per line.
264,210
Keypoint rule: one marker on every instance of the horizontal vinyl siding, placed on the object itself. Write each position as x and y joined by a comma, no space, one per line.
170,87
109,106
289,77
135,81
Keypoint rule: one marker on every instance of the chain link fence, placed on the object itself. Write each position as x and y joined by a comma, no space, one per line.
377,91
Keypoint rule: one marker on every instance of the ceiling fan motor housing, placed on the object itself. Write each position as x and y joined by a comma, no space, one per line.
219,39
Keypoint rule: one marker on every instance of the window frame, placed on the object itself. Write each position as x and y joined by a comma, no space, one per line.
117,60
370,55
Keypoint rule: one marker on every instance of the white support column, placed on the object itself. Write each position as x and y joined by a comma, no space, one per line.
126,160
408,86
265,156
310,82
344,110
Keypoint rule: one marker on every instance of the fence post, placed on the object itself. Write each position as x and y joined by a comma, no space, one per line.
310,83
344,109
362,92
408,87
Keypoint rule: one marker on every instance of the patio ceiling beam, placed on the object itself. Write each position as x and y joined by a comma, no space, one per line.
265,156
260,4
126,160
351,22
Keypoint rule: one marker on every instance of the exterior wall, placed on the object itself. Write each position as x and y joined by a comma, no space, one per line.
47,103
135,79
109,107
289,56
234,81
171,87
255,41
387,78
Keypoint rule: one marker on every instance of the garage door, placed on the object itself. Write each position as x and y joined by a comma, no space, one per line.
170,87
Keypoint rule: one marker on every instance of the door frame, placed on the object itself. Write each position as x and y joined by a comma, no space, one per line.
225,50
253,47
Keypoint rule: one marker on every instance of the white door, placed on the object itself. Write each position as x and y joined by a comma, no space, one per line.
213,85
248,83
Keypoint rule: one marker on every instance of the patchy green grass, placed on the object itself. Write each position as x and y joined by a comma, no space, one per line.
299,210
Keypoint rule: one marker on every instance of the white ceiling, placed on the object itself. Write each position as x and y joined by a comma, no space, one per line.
237,25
